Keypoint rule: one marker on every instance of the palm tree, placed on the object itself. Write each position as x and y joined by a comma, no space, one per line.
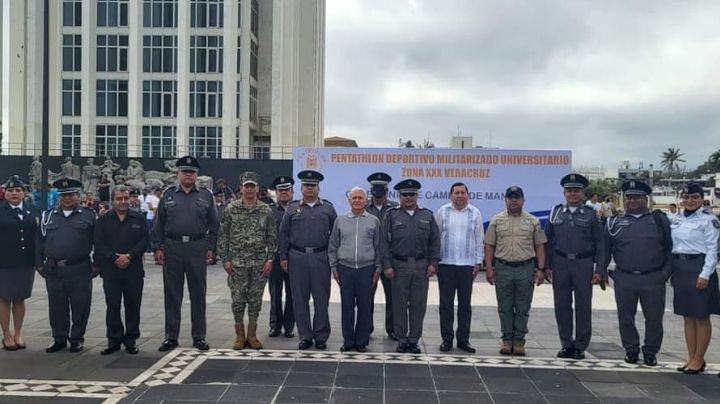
715,158
670,160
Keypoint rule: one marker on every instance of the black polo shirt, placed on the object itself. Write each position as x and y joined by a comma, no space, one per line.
113,236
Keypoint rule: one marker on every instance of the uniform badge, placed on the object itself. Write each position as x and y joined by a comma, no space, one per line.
188,161
716,224
527,220
298,211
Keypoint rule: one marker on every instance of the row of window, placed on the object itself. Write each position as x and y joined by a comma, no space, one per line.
157,141
159,98
159,54
156,13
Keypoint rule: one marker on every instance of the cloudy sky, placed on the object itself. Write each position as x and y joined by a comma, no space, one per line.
610,80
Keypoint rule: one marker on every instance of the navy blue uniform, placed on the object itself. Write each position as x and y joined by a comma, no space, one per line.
281,317
17,247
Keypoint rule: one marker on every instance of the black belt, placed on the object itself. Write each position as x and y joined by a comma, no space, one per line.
515,264
185,239
408,259
640,272
586,254
308,250
71,262
688,257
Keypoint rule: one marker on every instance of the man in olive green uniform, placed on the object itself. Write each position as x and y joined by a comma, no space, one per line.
247,242
514,244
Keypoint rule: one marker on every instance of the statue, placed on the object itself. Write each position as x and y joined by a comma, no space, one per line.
90,175
69,170
135,171
109,167
35,174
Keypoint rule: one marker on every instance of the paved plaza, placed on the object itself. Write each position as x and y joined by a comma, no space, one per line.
282,374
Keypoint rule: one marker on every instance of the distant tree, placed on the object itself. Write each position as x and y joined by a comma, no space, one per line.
406,144
670,160
426,144
602,187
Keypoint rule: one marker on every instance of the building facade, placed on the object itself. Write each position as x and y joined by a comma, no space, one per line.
161,78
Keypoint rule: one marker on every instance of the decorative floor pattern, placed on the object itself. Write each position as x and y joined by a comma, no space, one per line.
179,364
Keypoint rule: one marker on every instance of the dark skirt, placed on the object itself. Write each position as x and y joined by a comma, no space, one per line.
16,283
689,301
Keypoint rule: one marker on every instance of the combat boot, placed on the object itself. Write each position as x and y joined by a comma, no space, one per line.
506,348
252,336
239,336
519,348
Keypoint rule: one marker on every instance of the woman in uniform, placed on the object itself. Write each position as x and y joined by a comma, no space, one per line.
694,280
18,222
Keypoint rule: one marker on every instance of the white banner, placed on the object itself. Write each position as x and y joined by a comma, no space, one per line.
486,172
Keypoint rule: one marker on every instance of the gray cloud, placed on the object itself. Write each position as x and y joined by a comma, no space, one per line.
611,81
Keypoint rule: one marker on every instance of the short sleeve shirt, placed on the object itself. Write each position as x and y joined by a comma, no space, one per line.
515,237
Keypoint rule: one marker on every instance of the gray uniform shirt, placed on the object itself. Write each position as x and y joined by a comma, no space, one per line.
406,236
306,226
637,244
576,232
354,242
186,214
63,237
380,213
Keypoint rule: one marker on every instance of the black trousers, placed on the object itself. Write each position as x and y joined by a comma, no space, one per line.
281,317
387,288
454,279
185,260
69,291
356,297
123,291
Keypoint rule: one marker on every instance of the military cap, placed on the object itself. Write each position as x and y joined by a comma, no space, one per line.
187,163
282,182
574,181
379,179
408,186
14,182
693,188
636,187
310,177
134,192
249,177
67,186
515,191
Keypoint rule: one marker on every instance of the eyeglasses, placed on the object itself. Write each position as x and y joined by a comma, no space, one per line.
309,185
408,194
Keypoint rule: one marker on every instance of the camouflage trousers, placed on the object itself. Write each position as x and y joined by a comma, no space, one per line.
246,289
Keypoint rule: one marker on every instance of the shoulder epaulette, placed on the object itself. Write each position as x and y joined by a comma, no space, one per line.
590,207
326,201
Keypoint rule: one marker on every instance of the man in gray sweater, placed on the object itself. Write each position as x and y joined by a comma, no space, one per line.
355,265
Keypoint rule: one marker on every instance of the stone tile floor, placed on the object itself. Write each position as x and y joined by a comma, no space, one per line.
280,373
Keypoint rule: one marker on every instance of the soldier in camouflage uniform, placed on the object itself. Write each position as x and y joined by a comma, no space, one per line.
247,242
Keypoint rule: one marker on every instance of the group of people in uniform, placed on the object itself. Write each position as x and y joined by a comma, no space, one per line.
301,245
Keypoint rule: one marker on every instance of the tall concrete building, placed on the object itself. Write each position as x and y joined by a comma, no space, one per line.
160,78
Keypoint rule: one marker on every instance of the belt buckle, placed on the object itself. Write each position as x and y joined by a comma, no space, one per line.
185,239
309,250
61,263
636,272
411,260
572,256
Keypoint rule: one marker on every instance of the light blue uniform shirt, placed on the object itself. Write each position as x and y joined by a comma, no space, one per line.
461,235
697,234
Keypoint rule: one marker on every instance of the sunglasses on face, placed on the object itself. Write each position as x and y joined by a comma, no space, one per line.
408,194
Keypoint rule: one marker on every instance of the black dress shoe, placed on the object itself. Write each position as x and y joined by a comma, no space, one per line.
201,345
110,349
579,354
446,346
346,348
465,346
12,347
401,348
168,345
631,357
76,346
566,353
361,348
650,359
322,345
305,344
392,336
414,349
56,346
132,350
274,332
289,334
689,371
681,368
